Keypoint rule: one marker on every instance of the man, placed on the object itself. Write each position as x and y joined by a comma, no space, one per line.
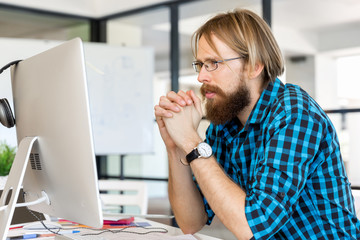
270,167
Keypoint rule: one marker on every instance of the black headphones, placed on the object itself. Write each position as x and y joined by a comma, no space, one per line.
6,116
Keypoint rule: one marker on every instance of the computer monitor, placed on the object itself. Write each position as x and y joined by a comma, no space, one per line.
54,132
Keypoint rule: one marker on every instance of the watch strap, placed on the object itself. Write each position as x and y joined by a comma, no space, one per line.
194,154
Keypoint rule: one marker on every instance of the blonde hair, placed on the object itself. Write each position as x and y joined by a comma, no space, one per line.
248,35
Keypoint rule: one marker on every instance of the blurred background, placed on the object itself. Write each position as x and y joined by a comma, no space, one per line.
318,38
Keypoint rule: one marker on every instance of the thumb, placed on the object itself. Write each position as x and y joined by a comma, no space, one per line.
160,122
196,100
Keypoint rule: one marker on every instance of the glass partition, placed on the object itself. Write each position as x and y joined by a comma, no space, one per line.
24,24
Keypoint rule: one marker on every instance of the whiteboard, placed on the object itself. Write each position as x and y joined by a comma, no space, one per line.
120,93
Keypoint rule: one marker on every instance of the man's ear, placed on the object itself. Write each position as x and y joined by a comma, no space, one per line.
256,71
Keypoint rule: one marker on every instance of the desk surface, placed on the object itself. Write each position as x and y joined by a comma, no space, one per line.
172,231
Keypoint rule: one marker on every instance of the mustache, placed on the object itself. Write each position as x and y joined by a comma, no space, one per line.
210,88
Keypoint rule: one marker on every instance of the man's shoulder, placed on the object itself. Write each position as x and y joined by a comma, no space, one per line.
280,97
294,98
295,103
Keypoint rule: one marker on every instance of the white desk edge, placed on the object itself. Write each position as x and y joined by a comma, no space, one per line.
172,231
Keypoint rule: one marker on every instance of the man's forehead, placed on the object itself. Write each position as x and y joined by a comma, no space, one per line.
213,48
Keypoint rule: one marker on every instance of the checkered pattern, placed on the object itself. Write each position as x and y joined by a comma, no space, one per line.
287,159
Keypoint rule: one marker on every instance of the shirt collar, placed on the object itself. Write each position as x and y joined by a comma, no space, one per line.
259,111
268,95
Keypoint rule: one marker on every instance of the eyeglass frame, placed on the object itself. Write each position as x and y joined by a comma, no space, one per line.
194,63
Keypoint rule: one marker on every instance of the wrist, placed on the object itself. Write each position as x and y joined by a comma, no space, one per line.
190,144
202,150
175,153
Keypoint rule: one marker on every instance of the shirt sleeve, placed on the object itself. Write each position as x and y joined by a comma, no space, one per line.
291,142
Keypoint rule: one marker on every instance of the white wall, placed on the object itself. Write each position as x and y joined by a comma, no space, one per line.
301,71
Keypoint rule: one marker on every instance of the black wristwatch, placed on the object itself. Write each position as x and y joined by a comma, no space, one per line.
203,150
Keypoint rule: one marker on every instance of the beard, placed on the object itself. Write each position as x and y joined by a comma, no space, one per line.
225,107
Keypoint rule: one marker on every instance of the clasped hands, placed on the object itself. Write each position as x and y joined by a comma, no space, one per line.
178,116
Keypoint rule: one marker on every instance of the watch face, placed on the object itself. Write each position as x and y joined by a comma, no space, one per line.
204,150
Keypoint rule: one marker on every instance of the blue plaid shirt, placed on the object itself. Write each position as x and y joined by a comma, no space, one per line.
287,159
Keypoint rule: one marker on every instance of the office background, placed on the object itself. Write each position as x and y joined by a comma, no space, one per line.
319,39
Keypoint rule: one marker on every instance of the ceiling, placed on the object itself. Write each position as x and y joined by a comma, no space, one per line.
86,8
309,18
303,14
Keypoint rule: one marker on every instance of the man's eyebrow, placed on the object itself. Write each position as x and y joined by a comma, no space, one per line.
206,59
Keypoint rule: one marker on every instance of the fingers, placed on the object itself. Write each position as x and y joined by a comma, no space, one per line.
168,105
180,98
173,102
161,112
186,98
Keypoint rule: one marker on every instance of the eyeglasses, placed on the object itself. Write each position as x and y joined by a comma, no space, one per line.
210,65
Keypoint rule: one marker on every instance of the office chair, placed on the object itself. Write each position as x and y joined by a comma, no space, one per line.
117,194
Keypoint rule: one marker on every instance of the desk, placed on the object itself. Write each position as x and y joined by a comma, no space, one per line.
172,231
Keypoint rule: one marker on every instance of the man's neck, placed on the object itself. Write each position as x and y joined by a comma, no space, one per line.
256,90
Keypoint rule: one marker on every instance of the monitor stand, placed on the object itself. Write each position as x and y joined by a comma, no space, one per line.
14,184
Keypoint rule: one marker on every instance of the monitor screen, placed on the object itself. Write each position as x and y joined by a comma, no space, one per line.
51,102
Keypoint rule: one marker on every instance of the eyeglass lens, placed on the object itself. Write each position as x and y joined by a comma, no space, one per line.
209,65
